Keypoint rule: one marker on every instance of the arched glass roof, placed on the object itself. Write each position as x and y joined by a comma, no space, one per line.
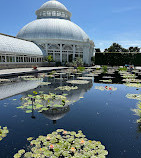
16,46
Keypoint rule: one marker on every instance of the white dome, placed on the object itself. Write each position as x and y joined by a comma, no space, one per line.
42,29
53,5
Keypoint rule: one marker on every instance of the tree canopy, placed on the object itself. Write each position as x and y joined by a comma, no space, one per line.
115,47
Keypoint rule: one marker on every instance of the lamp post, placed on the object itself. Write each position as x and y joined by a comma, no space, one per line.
33,100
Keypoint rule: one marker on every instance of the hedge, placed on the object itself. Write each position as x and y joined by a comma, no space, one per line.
118,59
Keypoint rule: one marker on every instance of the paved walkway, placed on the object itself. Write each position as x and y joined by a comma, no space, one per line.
20,71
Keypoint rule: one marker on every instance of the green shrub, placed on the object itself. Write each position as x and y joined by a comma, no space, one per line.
122,68
105,69
80,69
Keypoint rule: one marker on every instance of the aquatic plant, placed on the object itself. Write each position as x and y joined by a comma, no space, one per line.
106,81
80,69
129,76
107,88
91,75
63,144
32,79
134,96
137,85
107,77
3,132
43,102
78,82
132,80
122,68
85,78
45,83
137,111
105,69
50,76
88,69
66,88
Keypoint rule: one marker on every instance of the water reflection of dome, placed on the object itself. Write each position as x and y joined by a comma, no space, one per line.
56,114
72,96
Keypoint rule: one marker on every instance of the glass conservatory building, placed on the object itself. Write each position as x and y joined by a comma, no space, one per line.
52,33
19,51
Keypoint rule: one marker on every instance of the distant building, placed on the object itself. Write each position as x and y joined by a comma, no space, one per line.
52,33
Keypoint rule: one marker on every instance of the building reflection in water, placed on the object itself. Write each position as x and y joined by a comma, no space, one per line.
27,87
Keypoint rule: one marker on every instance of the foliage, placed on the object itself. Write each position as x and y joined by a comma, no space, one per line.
43,102
93,59
85,78
49,58
115,47
80,69
107,88
31,79
134,49
67,88
3,132
129,76
106,81
97,50
78,82
138,111
137,85
138,81
61,144
78,62
122,68
45,83
91,75
118,59
134,96
105,69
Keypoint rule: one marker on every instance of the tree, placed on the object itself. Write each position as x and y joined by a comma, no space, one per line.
115,47
97,50
49,58
77,62
93,59
106,50
125,50
134,49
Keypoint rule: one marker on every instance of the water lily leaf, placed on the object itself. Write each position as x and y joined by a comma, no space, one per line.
64,144
28,111
30,138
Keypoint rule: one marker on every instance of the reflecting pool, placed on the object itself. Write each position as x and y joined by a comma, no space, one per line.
99,108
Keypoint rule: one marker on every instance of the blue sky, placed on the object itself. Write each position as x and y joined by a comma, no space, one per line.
105,21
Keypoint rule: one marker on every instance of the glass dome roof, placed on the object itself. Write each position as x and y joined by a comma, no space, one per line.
54,5
53,22
52,29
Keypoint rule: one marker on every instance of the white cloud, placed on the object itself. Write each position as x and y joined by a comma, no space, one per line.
125,9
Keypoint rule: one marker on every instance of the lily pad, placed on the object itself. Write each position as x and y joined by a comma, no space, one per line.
107,88
3,132
78,82
66,88
63,144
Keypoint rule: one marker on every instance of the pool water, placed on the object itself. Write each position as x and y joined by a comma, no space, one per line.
104,116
